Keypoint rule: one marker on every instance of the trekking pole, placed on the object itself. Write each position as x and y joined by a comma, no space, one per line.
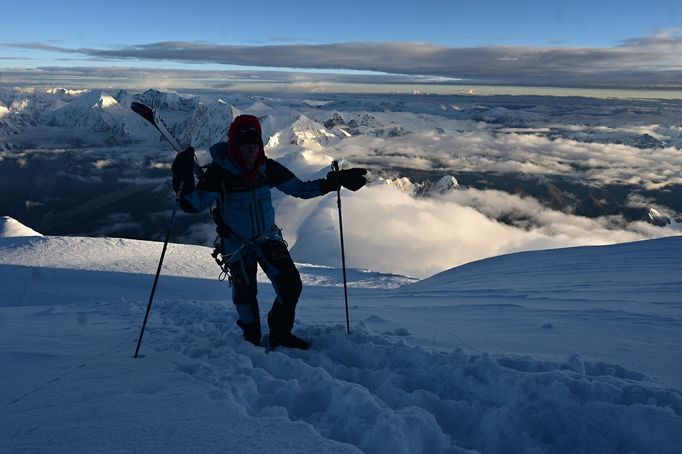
335,167
148,114
158,269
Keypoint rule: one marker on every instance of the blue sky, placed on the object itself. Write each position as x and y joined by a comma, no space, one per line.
309,35
452,23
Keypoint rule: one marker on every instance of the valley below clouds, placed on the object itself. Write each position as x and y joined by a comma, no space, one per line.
453,179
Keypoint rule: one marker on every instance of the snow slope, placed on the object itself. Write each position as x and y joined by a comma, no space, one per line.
570,350
11,228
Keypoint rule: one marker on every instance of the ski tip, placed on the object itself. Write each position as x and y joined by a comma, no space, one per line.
142,110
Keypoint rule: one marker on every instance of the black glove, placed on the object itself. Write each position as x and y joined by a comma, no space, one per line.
352,179
183,171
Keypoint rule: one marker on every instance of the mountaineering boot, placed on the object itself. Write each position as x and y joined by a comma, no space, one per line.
280,321
287,340
252,332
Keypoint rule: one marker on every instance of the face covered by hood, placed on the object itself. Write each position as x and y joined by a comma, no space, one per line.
245,129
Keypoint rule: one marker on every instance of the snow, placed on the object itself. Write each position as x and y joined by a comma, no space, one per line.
563,350
304,132
568,350
12,228
484,175
65,91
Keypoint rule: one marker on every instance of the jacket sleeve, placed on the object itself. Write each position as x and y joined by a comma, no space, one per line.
284,180
205,193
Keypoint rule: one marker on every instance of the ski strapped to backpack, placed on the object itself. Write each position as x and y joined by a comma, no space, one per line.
152,117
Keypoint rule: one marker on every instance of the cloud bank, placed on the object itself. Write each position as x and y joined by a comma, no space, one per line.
651,62
164,78
386,229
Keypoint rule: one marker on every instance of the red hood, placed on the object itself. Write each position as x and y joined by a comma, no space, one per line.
242,123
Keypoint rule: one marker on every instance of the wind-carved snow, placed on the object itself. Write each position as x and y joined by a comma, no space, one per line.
569,350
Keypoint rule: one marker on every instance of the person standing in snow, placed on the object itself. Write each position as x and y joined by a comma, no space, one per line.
238,182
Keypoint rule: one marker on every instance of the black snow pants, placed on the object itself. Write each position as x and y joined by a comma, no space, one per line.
274,259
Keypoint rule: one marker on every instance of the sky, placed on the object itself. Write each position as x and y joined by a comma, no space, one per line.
605,44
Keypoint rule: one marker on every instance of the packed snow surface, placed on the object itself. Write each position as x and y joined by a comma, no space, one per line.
569,350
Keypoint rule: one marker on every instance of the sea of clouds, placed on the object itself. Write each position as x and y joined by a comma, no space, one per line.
531,172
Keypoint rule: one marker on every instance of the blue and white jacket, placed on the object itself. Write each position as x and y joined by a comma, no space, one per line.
243,209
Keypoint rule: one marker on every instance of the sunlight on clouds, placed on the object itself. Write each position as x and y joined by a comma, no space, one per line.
489,151
388,230
101,164
644,62
576,156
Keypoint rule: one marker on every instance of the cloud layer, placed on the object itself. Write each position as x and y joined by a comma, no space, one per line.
578,151
652,62
386,229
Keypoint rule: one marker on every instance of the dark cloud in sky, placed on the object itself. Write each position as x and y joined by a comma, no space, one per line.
93,76
654,62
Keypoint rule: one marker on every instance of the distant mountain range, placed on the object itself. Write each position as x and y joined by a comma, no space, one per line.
81,162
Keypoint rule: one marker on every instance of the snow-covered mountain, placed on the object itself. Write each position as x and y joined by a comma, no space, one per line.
94,111
207,124
532,172
657,218
571,350
12,228
304,132
4,111
443,185
363,124
167,101
6,126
